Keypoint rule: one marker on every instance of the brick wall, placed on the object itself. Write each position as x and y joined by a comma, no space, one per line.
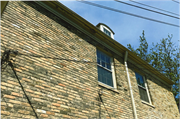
161,97
61,88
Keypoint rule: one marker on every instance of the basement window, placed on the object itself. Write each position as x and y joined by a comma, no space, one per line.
105,69
143,90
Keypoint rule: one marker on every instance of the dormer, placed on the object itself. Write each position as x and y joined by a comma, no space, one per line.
104,28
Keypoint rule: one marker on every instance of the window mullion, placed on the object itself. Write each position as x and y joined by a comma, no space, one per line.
104,68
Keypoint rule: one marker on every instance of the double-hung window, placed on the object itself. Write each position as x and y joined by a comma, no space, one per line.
143,90
105,73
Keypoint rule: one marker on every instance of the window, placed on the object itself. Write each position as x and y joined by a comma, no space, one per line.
105,69
144,94
107,32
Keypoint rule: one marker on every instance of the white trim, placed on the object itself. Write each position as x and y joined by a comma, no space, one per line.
108,87
112,69
147,103
147,90
105,68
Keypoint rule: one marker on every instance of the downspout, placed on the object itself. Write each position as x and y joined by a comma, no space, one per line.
130,87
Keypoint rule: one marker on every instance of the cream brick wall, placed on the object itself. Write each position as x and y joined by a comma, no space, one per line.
59,88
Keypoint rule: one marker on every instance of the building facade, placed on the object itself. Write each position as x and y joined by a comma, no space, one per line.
55,64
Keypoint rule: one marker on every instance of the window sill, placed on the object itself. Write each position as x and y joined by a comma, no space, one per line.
108,87
147,103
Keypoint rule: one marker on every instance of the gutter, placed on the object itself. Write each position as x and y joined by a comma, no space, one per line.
89,29
130,87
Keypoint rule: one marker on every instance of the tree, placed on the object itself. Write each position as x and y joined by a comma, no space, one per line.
142,50
164,57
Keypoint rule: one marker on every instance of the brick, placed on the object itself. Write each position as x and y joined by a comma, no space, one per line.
5,113
6,84
25,104
28,90
3,107
64,106
61,85
25,79
39,87
14,101
56,104
44,115
12,82
66,116
16,69
24,112
16,94
50,113
9,96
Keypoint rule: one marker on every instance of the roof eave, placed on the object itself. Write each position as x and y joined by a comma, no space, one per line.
60,8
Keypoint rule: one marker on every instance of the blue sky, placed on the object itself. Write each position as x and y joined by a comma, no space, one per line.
128,28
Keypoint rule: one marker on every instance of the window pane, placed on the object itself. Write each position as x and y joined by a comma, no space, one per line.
143,94
98,54
99,74
109,79
108,66
107,32
103,64
108,59
105,76
139,79
102,57
98,60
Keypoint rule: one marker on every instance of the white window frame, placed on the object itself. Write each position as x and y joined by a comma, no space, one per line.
112,71
146,88
104,27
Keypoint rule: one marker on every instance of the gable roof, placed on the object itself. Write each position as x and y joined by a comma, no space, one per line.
79,22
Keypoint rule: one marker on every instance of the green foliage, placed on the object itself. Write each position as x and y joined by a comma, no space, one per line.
142,50
164,57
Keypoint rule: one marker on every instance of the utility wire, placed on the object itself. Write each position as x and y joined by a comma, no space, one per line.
176,1
11,65
153,7
115,10
147,9
34,74
100,93
6,59
78,61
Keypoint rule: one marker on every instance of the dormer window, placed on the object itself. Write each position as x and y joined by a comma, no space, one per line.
104,28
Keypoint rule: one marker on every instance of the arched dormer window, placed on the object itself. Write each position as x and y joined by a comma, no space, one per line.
104,28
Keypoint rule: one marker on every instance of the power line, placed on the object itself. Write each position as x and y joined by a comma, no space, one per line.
12,66
176,1
81,61
115,10
147,9
153,7
78,61
6,58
